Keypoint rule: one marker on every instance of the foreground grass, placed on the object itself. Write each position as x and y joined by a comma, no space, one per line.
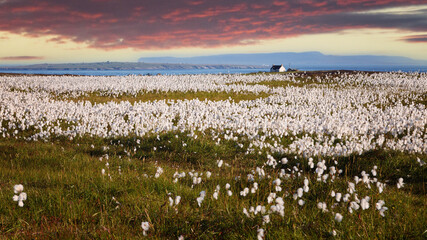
69,197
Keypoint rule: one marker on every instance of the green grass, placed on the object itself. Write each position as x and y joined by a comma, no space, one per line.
299,82
69,198
158,96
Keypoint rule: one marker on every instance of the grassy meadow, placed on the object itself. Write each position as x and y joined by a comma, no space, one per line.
90,187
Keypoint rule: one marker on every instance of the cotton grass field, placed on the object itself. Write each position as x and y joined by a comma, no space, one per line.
332,155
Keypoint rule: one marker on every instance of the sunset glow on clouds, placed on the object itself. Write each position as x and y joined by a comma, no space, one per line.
127,29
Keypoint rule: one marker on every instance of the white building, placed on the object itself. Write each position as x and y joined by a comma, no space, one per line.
277,68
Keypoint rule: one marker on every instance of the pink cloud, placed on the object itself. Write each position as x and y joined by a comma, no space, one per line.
416,38
146,24
21,58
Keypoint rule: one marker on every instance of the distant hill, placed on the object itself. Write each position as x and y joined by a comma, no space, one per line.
298,60
124,66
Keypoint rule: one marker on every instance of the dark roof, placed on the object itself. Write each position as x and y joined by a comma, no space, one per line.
276,66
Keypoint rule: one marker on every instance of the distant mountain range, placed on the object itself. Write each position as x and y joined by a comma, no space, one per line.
295,60
124,66
303,60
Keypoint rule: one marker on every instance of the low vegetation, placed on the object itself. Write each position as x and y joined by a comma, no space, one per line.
215,170
105,188
159,96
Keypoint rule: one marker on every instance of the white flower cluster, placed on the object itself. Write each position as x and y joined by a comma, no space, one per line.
159,172
21,195
354,114
175,202
201,197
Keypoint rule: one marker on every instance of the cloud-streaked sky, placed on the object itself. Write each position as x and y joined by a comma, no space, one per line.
123,30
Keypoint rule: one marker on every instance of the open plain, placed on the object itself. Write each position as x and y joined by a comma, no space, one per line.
275,156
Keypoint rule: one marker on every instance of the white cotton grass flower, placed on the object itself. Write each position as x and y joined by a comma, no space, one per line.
177,200
271,161
15,198
181,237
201,198
322,206
197,180
364,203
258,209
338,217
351,188
379,204
284,161
21,197
260,234
280,201
421,162
301,202
199,201
251,178
353,206
310,163
338,197
254,188
300,192
227,186
380,207
229,193
266,219
159,172
261,172
245,211
145,227
18,188
208,174
271,197
244,192
346,197
357,179
325,177
305,188
220,162
380,187
374,171
306,182
400,183
332,170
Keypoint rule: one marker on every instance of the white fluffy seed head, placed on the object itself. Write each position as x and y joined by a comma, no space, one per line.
15,198
300,192
145,226
338,217
18,188
177,200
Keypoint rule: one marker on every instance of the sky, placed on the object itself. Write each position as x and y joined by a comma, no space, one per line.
60,31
